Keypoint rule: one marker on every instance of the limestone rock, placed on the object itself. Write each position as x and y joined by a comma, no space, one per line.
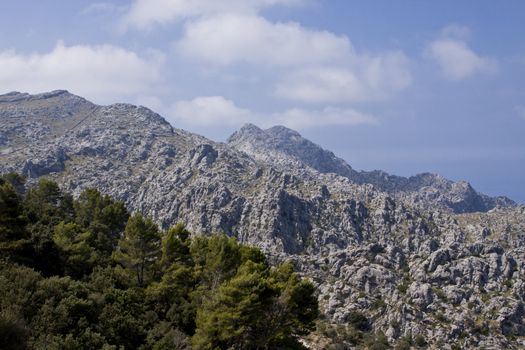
420,256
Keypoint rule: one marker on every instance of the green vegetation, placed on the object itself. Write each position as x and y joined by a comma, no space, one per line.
356,333
358,321
85,274
404,343
405,282
420,340
440,293
379,342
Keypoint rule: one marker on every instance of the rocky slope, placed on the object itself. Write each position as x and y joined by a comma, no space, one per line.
287,149
389,248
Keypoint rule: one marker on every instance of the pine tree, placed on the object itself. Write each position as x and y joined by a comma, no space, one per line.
227,315
76,243
14,238
139,249
103,216
175,246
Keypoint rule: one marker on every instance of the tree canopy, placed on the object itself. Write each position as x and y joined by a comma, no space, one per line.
86,274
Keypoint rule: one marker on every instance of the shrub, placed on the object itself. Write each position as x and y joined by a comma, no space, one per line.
358,321
420,340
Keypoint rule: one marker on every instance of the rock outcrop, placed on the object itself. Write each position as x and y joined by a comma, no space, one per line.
417,257
286,149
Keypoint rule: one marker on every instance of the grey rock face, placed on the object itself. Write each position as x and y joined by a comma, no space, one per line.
286,149
394,251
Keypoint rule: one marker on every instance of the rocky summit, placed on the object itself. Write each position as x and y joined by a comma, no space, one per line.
423,260
285,149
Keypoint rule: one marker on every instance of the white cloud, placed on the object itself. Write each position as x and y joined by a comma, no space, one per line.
455,58
209,110
102,73
217,110
520,110
369,78
231,38
321,85
312,65
145,14
322,67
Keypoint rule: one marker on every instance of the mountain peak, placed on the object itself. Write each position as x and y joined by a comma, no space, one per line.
276,135
249,127
277,132
282,131
355,243
285,148
15,96
247,130
53,93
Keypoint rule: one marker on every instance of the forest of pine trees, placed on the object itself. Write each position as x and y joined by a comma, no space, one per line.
86,274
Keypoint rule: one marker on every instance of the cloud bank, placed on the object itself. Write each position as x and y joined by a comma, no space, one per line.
146,14
369,78
314,66
302,65
228,39
217,110
101,73
455,58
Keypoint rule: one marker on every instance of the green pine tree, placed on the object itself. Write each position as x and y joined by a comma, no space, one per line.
139,249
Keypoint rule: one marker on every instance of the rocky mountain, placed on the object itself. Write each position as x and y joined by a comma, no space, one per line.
419,260
287,149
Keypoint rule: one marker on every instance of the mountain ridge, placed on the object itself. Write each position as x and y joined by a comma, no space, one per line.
281,142
408,269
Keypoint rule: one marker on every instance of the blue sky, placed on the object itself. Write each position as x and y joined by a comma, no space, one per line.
405,86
